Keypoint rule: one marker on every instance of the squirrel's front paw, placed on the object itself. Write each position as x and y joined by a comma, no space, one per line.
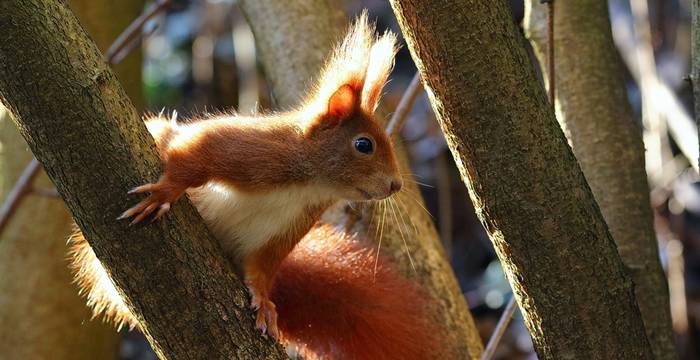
266,313
161,197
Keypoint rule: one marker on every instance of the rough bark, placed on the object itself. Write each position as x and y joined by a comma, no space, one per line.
523,178
597,118
82,127
695,62
51,320
43,315
104,20
292,48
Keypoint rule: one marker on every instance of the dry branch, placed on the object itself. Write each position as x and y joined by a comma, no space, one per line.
19,190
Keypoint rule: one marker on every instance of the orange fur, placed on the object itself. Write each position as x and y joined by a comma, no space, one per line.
94,283
310,151
261,267
332,305
261,183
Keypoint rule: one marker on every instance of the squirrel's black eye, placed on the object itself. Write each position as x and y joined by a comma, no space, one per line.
364,145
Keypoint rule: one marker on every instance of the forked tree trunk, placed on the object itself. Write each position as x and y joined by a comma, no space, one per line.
598,121
82,127
526,185
293,39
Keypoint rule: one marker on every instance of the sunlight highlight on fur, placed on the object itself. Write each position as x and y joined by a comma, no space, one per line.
360,58
94,283
381,62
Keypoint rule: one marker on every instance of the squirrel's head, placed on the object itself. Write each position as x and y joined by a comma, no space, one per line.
355,154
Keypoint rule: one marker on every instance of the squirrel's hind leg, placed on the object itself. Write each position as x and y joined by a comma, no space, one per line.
260,269
266,312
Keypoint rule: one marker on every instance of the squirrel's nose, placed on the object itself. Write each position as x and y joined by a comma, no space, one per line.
395,186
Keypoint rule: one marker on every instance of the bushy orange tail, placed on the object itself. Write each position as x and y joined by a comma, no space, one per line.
330,301
332,304
94,283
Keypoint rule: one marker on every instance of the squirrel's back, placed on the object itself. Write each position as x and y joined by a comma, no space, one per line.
231,213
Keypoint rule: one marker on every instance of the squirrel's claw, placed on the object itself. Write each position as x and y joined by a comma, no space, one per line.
266,319
141,189
150,207
133,210
266,313
160,198
162,209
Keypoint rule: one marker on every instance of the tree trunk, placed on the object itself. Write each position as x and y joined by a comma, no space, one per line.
695,62
82,127
51,320
42,315
526,185
293,39
104,20
598,121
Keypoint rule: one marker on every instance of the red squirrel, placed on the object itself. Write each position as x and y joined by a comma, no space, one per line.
262,183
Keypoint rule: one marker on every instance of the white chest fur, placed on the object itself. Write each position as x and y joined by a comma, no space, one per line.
244,222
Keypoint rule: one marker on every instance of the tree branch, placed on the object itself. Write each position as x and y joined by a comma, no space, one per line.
695,63
598,120
526,185
21,188
84,130
132,34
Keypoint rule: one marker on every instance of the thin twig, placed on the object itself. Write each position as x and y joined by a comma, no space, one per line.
136,42
499,330
132,32
48,193
656,138
22,186
405,105
550,49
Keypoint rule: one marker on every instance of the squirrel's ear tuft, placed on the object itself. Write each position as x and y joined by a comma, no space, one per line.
381,61
354,76
344,73
342,103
